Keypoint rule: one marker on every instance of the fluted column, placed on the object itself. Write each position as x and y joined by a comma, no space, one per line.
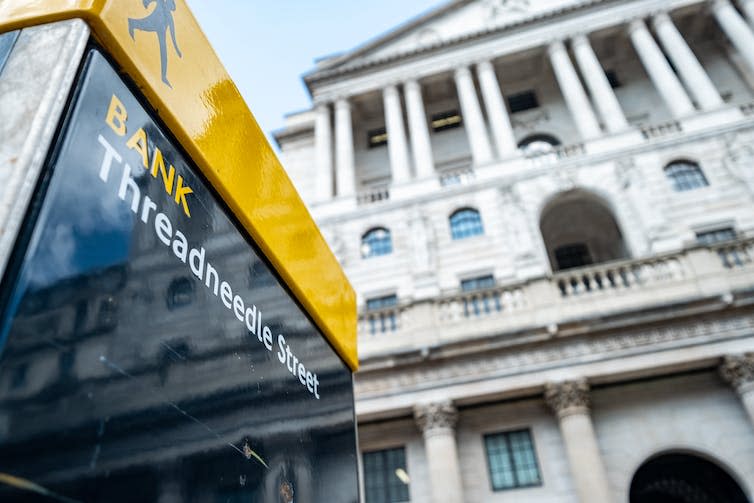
396,135
692,73
346,181
599,86
502,132
658,68
419,132
570,401
323,152
473,120
437,422
738,371
575,96
735,29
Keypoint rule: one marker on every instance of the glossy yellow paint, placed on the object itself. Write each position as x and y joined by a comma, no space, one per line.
205,111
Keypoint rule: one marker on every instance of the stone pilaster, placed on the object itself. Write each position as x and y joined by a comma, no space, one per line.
738,371
437,422
570,402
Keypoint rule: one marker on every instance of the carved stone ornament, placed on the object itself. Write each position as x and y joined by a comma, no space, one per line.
738,370
436,416
568,397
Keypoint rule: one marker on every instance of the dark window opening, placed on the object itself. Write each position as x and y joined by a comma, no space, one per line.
382,302
716,236
446,120
478,283
465,223
573,255
522,101
512,460
386,477
612,78
377,137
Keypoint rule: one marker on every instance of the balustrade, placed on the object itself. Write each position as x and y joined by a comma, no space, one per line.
373,195
659,130
632,284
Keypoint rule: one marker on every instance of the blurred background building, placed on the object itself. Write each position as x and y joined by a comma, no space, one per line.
547,210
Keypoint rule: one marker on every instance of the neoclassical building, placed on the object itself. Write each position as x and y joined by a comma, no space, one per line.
547,210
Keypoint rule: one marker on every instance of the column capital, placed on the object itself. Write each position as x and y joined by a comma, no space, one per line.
580,39
462,71
661,17
411,83
635,25
484,65
738,371
342,101
568,397
556,45
433,417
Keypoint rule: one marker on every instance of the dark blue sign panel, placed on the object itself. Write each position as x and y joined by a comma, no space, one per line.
148,351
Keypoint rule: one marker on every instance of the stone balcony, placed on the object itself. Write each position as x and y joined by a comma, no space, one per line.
541,305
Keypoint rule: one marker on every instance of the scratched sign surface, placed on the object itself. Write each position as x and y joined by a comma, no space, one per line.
148,352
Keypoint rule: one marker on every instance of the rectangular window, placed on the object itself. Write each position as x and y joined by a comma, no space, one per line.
446,120
522,101
386,476
612,78
382,302
512,460
716,236
385,321
478,283
377,137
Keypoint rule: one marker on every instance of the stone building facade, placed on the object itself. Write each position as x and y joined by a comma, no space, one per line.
547,210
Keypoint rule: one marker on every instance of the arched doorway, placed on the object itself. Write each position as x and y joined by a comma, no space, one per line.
683,478
579,229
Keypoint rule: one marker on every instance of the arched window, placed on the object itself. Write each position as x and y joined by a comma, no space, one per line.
376,242
465,223
685,175
538,144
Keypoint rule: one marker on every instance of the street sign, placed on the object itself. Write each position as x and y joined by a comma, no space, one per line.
156,344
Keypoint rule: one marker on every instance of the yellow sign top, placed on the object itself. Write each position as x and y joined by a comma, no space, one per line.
159,44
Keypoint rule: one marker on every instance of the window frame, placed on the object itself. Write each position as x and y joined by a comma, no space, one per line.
681,172
506,435
385,475
377,137
382,250
457,235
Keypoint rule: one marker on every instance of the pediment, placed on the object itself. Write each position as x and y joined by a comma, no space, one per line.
445,24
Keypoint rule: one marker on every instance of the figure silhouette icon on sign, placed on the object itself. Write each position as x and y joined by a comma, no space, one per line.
159,21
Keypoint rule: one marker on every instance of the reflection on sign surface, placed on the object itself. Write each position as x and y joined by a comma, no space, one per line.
148,353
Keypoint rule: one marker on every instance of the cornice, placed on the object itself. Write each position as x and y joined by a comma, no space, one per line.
346,68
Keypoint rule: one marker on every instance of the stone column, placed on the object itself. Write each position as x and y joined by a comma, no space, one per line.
396,135
738,371
502,131
574,94
658,68
735,29
437,422
570,401
748,7
599,86
691,71
473,120
323,152
419,132
346,180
